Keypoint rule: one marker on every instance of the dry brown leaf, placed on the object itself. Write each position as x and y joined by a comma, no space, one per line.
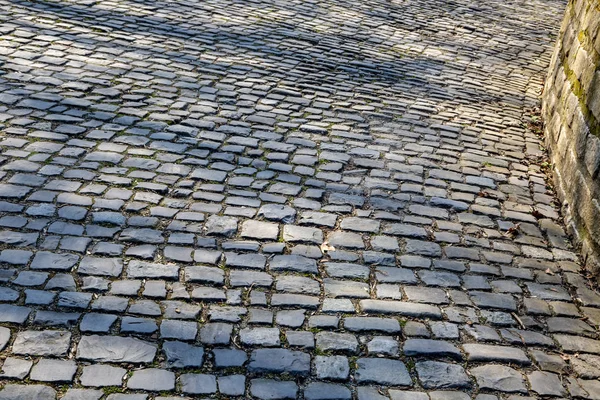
514,231
325,247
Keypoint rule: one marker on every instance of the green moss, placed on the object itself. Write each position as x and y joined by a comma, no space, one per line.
235,370
587,42
353,361
578,91
320,352
113,389
581,36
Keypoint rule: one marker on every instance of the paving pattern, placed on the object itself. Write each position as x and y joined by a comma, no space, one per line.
312,199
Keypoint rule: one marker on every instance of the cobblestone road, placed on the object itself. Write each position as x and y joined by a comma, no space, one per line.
313,199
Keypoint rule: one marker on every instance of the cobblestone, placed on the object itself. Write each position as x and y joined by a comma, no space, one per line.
281,200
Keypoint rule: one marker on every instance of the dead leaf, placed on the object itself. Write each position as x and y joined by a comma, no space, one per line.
549,271
514,231
325,247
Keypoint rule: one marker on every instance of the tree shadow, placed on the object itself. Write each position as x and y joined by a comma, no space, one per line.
282,49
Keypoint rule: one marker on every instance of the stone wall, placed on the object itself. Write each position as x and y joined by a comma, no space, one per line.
571,111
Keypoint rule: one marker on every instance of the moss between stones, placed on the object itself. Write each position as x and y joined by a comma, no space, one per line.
585,40
577,90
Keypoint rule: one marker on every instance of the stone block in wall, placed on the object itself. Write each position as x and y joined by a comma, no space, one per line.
588,20
552,120
553,77
592,263
562,144
552,128
559,80
590,218
548,115
556,126
571,176
586,212
571,106
571,56
588,77
594,29
568,39
565,92
580,193
554,86
553,66
592,155
594,97
580,131
552,100
579,7
596,207
584,68
562,86
591,25
549,107
558,183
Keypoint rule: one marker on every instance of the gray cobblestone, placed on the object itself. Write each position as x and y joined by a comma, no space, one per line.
214,199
